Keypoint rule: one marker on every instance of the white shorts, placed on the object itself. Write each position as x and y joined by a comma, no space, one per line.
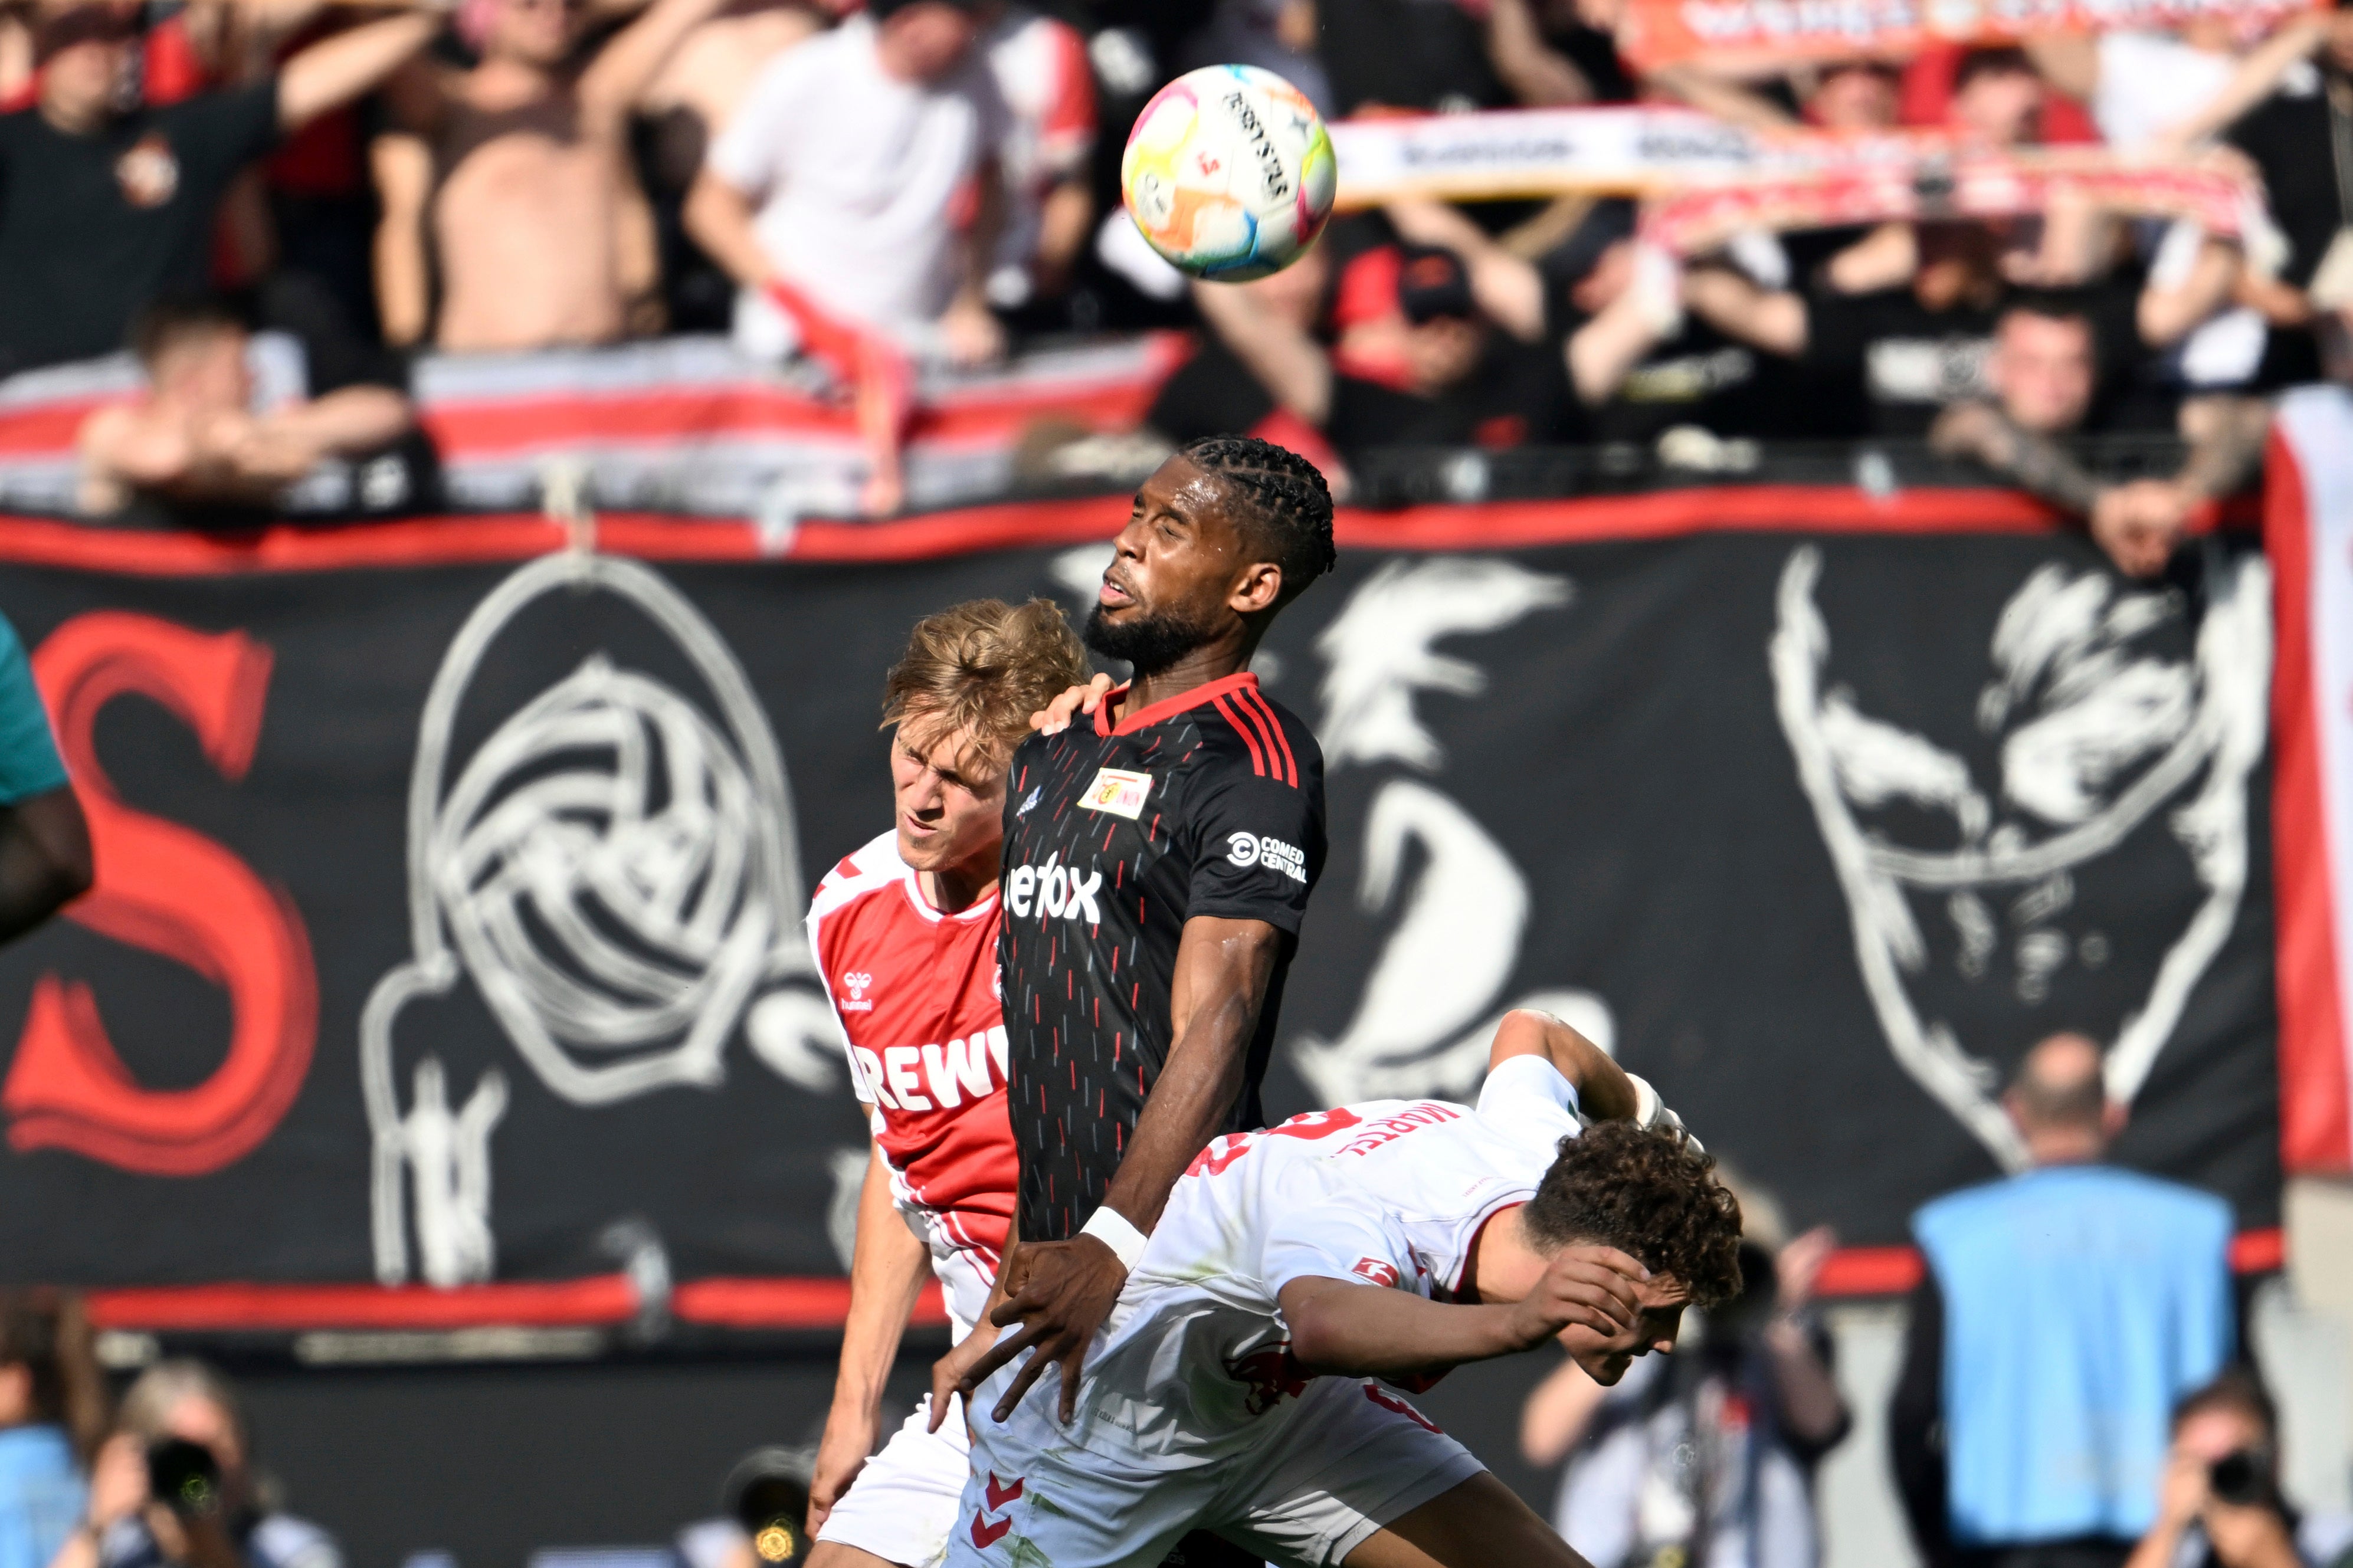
1352,1456
903,1504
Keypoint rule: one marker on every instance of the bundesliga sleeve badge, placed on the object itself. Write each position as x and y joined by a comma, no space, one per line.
1117,791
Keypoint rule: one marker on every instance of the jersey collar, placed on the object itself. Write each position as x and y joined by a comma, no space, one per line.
1168,708
912,882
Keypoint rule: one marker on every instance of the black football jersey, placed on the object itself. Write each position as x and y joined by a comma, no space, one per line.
1209,804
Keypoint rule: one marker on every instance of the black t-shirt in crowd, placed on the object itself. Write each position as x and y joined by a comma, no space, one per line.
1886,363
1518,394
1699,377
94,227
2293,140
1210,804
1211,394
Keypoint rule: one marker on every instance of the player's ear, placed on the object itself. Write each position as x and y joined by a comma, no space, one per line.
1256,588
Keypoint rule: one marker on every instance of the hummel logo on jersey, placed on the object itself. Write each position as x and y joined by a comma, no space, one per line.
858,1001
1028,800
1057,891
1117,791
1261,849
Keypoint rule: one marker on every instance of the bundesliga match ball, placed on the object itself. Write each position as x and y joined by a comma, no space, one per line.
1228,173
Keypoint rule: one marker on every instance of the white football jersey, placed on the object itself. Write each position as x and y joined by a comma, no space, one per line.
1195,1361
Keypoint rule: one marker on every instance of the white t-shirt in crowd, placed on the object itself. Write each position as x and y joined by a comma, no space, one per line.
858,175
1195,1363
2151,80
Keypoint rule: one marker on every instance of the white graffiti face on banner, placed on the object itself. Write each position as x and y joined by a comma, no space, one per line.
613,868
2098,734
1423,1024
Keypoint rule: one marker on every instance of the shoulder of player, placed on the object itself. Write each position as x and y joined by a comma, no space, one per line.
1244,729
867,869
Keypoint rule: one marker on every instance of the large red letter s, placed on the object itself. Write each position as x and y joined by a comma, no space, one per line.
172,892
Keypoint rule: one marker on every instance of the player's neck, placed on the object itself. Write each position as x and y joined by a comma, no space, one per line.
1212,662
953,889
1505,1266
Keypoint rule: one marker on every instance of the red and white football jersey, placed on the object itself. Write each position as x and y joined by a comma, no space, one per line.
916,991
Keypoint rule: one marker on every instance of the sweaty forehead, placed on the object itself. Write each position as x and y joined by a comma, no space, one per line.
1188,489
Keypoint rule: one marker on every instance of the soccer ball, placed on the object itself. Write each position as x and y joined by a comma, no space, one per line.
1228,173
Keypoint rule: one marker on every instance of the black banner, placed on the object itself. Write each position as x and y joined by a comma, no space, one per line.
448,926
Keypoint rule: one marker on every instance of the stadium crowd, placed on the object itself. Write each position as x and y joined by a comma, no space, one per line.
935,183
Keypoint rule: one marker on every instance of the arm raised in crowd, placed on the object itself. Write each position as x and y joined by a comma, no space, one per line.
1508,289
627,66
333,71
1292,365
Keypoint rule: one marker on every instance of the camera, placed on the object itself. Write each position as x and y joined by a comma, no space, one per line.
767,1494
183,1477
2242,1478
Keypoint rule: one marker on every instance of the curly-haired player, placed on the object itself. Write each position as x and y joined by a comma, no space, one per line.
1244,1382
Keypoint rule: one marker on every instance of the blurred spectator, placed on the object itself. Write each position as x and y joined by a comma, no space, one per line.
194,451
709,75
510,186
1885,363
1451,353
103,208
856,200
2220,1506
1999,95
1273,34
2065,1310
1040,68
52,1414
45,860
1706,1455
1216,390
2043,375
230,1526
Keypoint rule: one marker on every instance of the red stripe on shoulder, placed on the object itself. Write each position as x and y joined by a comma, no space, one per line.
1258,758
849,867
1274,727
1256,718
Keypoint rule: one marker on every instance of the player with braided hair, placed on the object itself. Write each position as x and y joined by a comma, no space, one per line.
1158,859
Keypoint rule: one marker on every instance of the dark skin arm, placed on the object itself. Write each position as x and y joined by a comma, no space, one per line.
1060,1292
45,861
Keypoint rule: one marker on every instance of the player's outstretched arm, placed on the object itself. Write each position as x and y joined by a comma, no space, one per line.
887,1270
1353,1328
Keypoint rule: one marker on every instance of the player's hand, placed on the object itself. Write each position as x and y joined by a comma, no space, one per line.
1055,716
1595,1288
850,1433
1060,1292
948,1372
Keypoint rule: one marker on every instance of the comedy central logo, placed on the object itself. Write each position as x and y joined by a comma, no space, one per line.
1264,850
2069,852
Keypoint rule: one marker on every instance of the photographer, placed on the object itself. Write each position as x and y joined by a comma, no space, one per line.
174,1485
2220,1505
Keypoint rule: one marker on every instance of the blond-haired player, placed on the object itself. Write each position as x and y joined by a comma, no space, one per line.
905,931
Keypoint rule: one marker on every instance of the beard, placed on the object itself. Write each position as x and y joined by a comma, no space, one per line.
1148,644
